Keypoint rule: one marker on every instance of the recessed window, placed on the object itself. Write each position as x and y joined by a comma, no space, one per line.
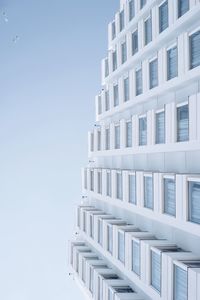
148,192
85,179
107,100
194,42
121,20
108,181
142,3
126,89
183,7
116,95
163,17
136,257
99,105
91,282
84,221
110,238
170,196
160,127
180,284
92,142
113,30
92,180
100,232
153,73
134,42
106,67
194,201
91,226
123,52
128,134
142,131
117,137
107,138
172,63
121,247
183,123
132,189
156,270
99,140
114,60
148,30
99,180
138,82
131,9
119,189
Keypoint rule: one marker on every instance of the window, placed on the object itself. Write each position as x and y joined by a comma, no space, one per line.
139,85
136,257
143,131
117,137
121,247
114,60
163,16
170,196
126,89
180,284
116,95
100,232
113,30
128,134
99,105
183,7
85,178
194,50
99,179
148,192
183,123
83,270
92,142
142,3
107,138
172,63
91,280
160,127
107,100
92,180
121,20
124,52
156,270
99,140
134,42
108,181
84,221
119,186
131,9
148,30
106,67
91,226
132,189
153,73
110,238
194,201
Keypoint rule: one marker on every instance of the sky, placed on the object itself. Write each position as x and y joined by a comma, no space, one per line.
49,77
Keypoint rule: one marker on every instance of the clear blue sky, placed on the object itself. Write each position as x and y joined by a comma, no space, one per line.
48,80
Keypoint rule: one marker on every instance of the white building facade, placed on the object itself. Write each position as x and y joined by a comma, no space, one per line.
138,226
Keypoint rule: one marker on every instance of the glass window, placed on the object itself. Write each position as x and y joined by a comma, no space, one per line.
163,16
153,73
195,50
121,247
126,89
131,9
183,123
119,186
84,221
143,131
116,95
108,190
107,138
85,178
83,270
107,100
117,137
148,192
156,271
114,60
99,105
194,202
142,3
110,238
169,196
183,7
148,30
92,180
160,127
134,42
91,280
99,182
172,63
100,232
124,52
121,20
106,67
180,284
128,134
132,189
99,140
91,226
113,30
136,257
92,142
139,85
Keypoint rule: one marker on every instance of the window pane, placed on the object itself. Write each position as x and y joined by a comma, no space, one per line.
121,20
108,184
180,284
106,68
107,138
183,123
117,137
114,58
110,239
99,105
172,63
136,257
148,30
195,50
113,30
194,202
124,52
163,16
153,73
126,89
156,271
139,85
100,232
92,142
107,101
148,192
91,226
121,247
132,189
134,42
183,7
129,134
99,182
142,3
99,140
91,280
131,9
170,197
119,186
116,95
143,131
160,128
92,180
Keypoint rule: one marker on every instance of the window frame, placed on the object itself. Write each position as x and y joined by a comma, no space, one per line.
178,105
190,179
149,175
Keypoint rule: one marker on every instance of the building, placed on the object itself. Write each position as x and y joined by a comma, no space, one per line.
139,222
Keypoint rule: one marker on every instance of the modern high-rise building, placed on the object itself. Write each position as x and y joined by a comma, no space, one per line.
138,226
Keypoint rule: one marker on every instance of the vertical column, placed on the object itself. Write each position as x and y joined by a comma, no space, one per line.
113,183
104,183
155,23
125,185
135,131
121,90
103,137
170,113
140,188
145,75
95,180
112,136
193,117
162,63
156,197
150,127
122,134
198,116
181,55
